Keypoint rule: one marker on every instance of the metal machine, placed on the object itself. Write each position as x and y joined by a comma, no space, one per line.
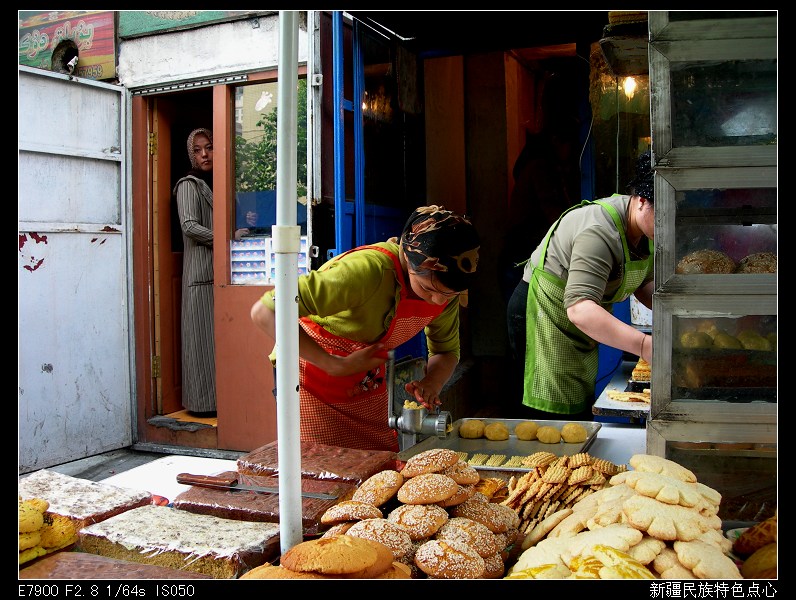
412,420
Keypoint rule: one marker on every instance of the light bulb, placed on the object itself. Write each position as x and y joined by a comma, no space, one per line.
629,86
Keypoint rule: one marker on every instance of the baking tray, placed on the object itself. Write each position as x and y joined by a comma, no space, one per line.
637,386
510,448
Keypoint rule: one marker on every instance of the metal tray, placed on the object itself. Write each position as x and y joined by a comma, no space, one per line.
510,448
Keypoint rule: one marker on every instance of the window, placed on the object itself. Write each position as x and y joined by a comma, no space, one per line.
255,180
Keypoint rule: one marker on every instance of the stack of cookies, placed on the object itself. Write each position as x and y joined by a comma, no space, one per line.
660,521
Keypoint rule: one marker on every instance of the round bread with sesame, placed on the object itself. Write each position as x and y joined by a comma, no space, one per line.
435,460
395,537
427,488
379,488
441,559
420,520
350,510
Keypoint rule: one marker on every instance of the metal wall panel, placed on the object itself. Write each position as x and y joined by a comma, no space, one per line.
74,389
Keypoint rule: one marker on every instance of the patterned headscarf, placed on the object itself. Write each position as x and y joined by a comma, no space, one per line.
191,137
644,182
439,240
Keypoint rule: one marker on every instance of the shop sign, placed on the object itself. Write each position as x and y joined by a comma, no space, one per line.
134,23
92,31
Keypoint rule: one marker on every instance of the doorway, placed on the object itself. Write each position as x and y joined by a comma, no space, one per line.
162,125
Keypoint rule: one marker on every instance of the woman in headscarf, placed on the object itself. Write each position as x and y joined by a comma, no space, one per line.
194,194
596,254
363,303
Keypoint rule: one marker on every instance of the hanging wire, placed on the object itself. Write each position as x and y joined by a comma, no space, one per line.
616,93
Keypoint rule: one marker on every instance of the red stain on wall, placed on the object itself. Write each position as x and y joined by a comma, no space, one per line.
39,239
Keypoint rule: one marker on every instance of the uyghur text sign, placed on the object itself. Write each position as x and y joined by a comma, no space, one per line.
92,31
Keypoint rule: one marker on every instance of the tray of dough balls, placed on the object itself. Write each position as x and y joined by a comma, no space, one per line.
503,444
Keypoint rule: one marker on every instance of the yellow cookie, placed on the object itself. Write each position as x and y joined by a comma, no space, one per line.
31,553
657,464
526,430
669,522
706,561
547,434
664,488
30,519
58,531
39,504
29,540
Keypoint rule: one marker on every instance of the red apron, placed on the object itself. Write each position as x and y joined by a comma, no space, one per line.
352,411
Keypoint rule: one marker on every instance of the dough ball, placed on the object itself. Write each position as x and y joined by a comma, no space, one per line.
573,433
496,432
724,340
472,429
526,430
772,337
547,434
752,340
696,339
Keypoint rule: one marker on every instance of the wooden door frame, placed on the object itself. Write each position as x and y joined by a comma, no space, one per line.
156,324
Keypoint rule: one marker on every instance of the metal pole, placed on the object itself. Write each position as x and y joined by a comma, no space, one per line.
287,244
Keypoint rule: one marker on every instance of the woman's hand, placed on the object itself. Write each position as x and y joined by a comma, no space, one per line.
439,369
425,392
358,361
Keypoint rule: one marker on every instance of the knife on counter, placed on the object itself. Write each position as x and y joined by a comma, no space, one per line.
231,483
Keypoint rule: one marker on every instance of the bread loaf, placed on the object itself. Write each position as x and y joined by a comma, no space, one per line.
759,262
177,539
705,261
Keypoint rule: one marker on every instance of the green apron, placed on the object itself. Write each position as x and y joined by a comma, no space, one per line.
561,360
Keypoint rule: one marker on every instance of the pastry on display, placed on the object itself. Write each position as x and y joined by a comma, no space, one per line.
642,371
759,262
705,262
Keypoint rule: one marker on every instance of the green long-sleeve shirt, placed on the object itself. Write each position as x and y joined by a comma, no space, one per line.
355,295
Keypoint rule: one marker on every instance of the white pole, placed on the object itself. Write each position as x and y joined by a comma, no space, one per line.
287,244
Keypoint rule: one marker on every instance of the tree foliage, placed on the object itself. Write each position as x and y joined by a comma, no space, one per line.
255,160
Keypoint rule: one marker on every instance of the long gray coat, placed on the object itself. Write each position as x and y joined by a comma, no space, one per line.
195,207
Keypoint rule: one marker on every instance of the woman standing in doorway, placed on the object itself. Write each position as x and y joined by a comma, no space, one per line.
194,194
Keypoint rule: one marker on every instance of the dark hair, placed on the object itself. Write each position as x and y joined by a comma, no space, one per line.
643,184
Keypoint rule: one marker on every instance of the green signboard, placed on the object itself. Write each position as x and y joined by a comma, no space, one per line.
133,23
